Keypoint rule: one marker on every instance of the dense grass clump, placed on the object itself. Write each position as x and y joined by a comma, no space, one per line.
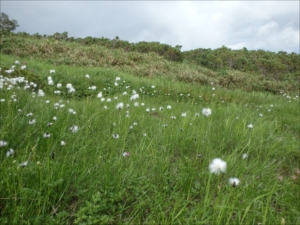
119,149
147,63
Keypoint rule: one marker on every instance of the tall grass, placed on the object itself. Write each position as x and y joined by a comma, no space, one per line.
166,178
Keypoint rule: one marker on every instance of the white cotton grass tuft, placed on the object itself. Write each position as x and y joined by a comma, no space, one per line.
245,156
234,181
31,122
23,164
3,143
41,93
115,136
120,106
217,166
62,143
250,126
74,128
126,154
10,152
46,135
206,111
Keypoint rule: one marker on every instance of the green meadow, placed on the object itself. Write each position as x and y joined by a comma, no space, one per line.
100,144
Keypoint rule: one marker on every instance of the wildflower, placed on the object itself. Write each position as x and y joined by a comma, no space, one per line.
169,107
197,114
260,115
49,124
173,117
71,90
57,92
116,84
294,177
41,93
23,67
161,108
145,135
10,152
46,135
250,126
23,164
142,104
134,96
59,85
244,156
72,111
74,128
136,104
127,106
69,86
29,114
52,71
118,78
31,122
87,76
108,100
280,178
217,166
17,62
120,106
3,143
165,125
147,110
50,81
126,154
206,111
105,107
153,86
234,181
2,100
115,136
54,118
62,143
93,88
183,114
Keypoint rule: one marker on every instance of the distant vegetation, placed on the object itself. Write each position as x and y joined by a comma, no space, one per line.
247,70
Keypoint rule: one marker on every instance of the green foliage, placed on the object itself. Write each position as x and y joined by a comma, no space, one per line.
7,25
272,65
149,60
165,179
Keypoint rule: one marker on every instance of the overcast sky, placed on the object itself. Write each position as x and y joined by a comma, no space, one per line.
268,25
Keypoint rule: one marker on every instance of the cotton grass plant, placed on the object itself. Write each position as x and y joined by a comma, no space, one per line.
126,164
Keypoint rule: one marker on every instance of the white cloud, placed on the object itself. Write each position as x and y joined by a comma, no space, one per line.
268,25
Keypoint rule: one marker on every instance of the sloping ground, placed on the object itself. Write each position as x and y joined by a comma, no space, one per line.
60,52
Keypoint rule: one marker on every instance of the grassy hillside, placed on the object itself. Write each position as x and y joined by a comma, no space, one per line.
125,149
86,53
